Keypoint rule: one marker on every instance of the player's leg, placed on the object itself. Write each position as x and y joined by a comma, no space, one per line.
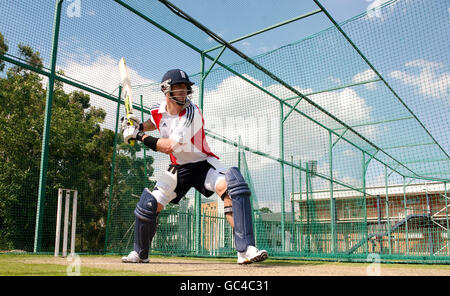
221,190
244,237
146,214
234,191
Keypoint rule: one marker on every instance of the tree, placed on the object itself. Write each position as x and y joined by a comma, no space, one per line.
3,50
80,156
265,210
129,181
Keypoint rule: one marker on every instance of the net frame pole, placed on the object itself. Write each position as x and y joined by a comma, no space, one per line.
281,147
292,191
406,216
143,147
446,217
46,133
366,235
388,220
197,196
332,200
365,166
300,204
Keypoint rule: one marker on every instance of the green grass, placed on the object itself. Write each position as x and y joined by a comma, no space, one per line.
13,265
21,265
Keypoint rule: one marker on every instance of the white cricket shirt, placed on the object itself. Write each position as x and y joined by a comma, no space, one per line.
186,128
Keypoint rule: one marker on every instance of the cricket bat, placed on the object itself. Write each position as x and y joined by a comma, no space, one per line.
126,91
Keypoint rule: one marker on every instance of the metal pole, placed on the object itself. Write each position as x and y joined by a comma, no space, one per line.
198,198
308,208
365,201
113,165
379,222
406,216
332,200
387,209
46,132
293,225
292,190
446,218
300,204
58,222
283,234
430,239
145,155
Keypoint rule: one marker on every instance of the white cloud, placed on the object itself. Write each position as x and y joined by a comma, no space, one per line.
350,153
101,71
429,82
346,105
375,12
236,108
335,80
366,76
246,44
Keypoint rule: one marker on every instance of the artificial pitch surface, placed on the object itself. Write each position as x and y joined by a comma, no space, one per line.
89,265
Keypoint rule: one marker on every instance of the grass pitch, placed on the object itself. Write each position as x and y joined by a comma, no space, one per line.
108,265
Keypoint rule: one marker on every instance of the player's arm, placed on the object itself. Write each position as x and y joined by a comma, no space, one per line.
148,126
164,145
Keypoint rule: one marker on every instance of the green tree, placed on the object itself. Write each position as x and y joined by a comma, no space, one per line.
130,179
3,50
80,156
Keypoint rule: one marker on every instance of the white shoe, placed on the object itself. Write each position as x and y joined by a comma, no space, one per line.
133,257
252,254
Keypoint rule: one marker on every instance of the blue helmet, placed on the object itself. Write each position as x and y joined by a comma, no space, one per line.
176,76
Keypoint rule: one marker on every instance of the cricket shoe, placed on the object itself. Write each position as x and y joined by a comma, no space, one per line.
133,257
252,254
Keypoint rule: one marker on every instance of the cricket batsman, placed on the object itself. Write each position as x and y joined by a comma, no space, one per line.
182,137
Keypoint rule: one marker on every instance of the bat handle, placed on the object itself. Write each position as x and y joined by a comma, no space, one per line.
131,141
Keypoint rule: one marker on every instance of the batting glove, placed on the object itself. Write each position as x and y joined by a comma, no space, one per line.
136,122
130,133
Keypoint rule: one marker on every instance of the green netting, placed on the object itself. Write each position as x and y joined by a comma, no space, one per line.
367,100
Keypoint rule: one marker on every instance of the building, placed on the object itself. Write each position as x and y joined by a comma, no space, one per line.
411,220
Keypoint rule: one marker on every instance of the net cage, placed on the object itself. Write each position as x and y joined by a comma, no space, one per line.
341,132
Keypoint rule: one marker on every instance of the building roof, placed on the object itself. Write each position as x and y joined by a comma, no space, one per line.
412,189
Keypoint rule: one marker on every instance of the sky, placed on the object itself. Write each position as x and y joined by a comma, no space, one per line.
96,34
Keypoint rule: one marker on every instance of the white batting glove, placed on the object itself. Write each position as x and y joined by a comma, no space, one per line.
130,133
136,121
133,118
